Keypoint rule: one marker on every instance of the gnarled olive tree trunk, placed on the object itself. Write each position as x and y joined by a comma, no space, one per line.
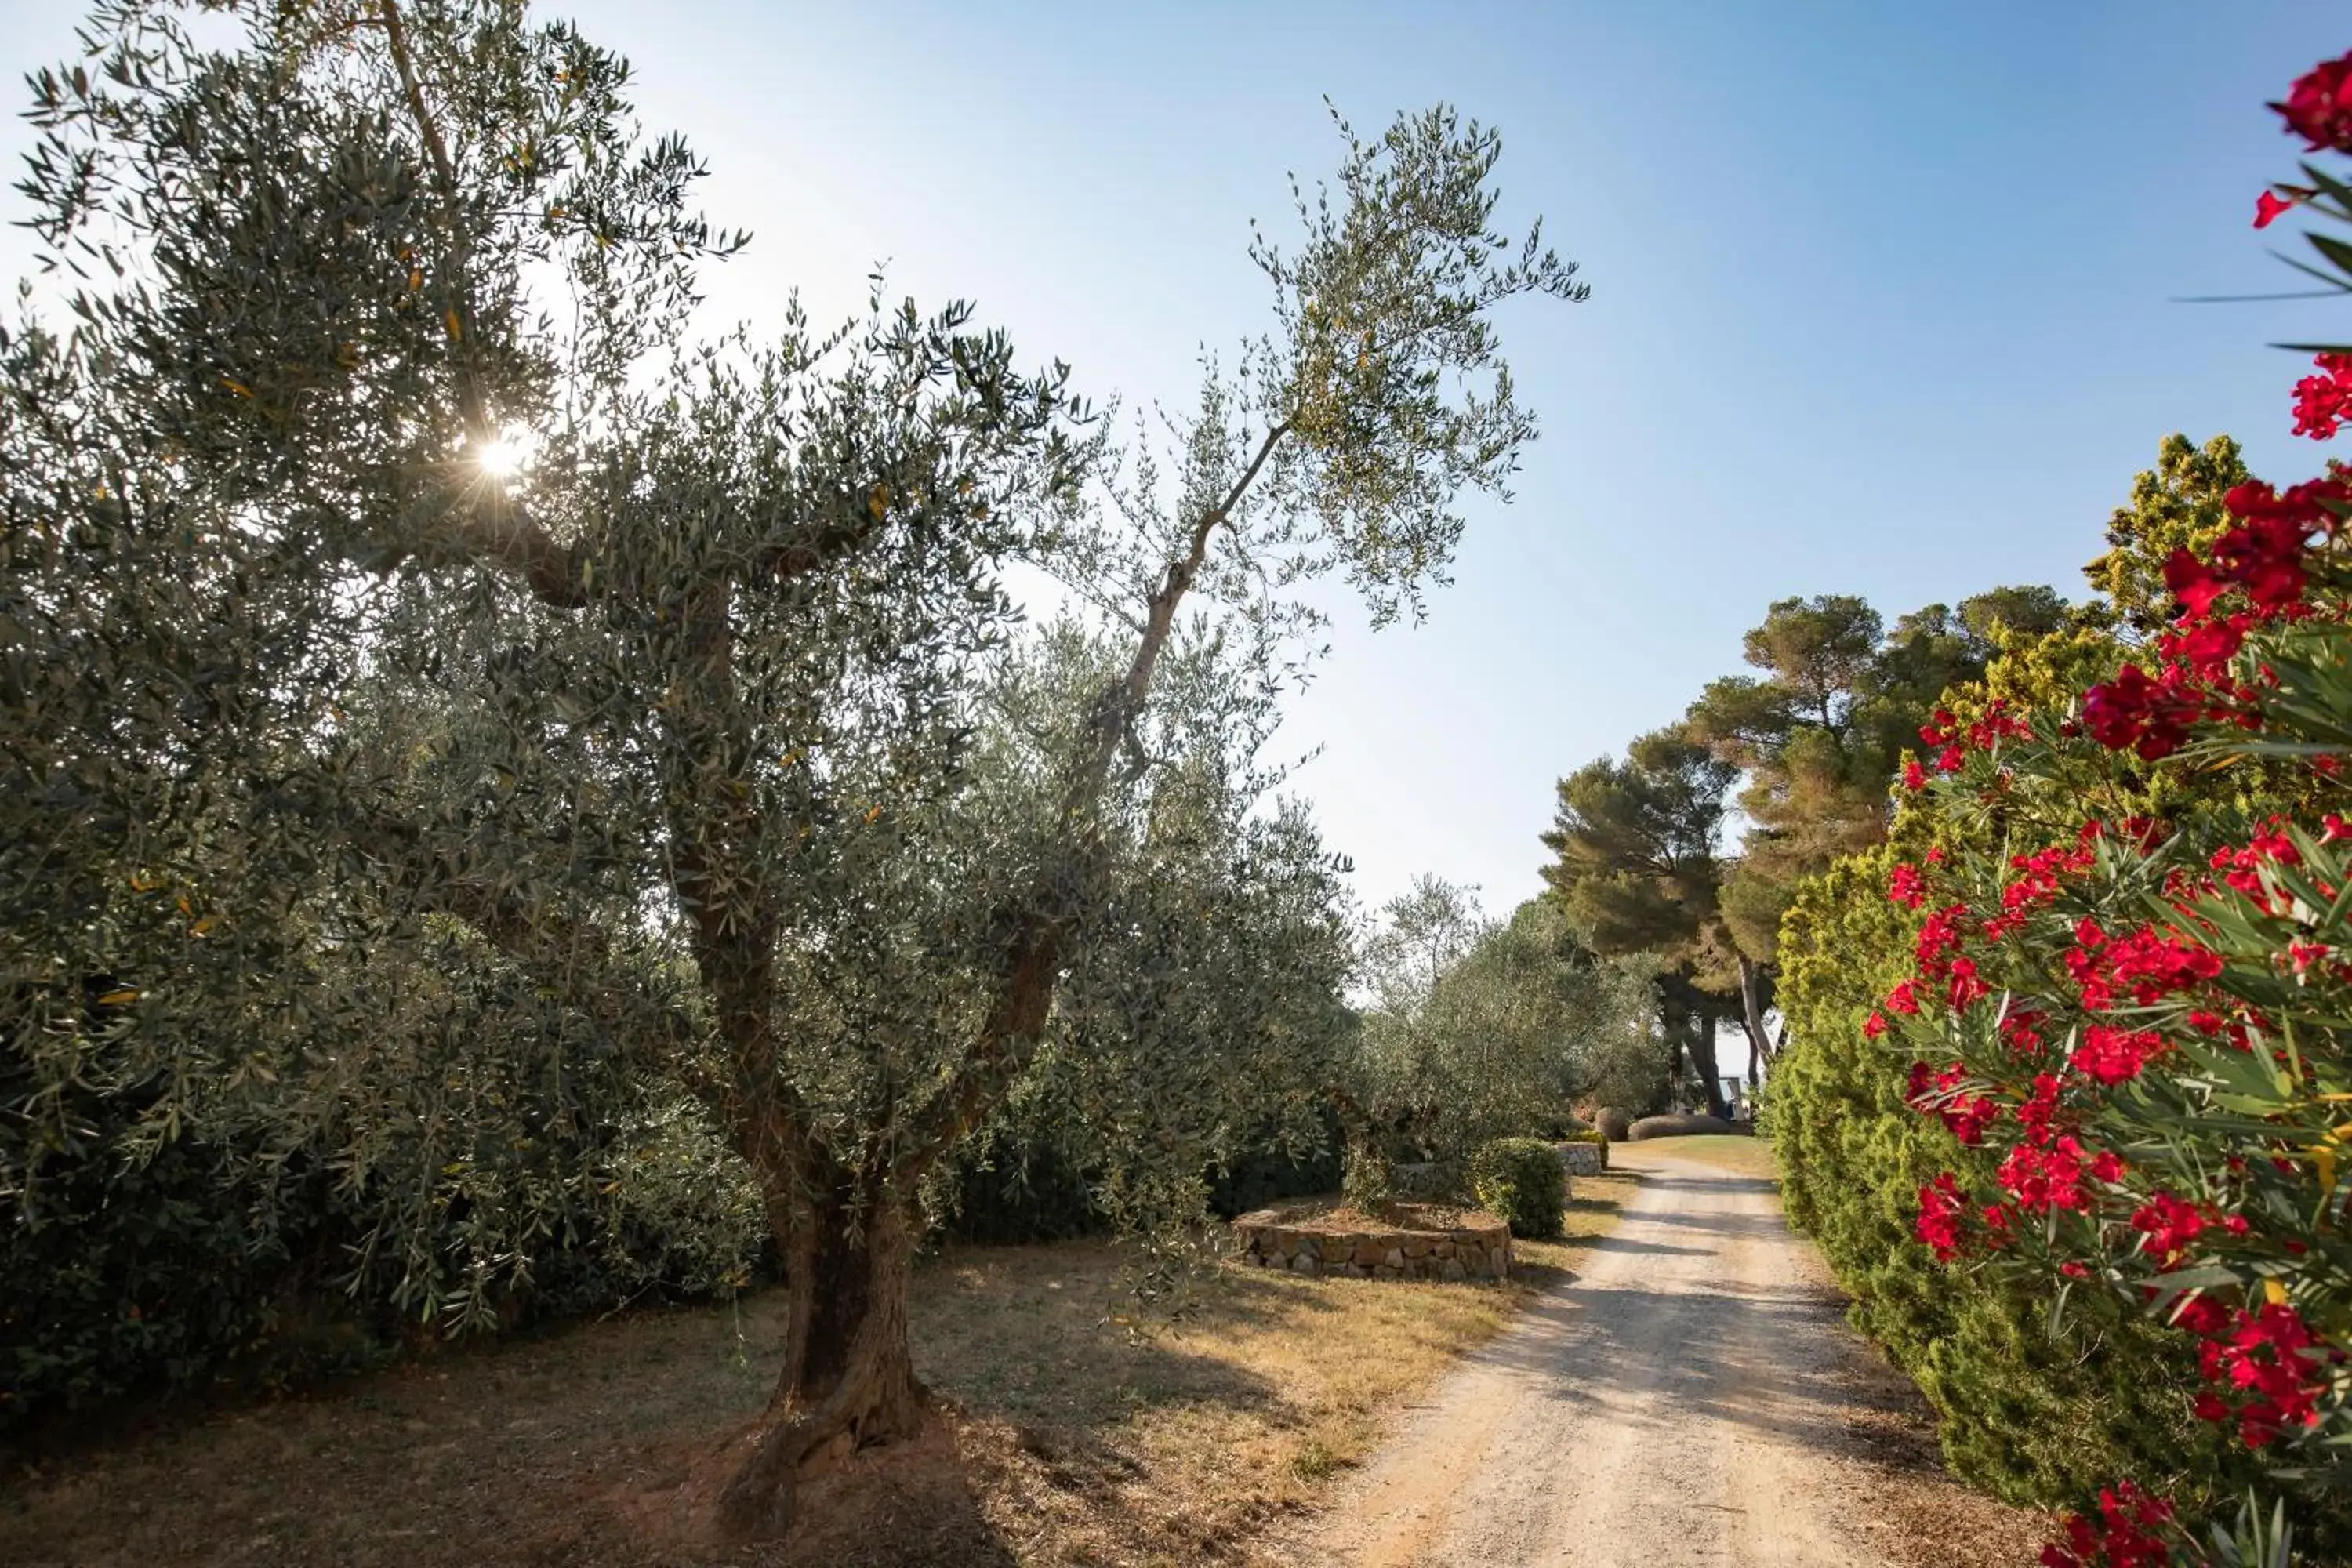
848,1381
845,1229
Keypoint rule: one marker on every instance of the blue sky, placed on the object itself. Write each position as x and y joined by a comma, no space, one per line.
1882,295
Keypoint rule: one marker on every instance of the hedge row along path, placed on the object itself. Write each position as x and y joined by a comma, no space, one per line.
1695,1397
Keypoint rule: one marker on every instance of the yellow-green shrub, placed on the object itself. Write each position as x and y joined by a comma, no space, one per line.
1522,1180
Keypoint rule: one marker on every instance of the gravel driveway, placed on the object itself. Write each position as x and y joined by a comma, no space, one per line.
1693,1397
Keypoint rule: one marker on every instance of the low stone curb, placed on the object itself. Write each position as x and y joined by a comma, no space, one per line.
1477,1248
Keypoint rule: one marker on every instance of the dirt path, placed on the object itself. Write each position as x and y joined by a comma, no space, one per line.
1692,1398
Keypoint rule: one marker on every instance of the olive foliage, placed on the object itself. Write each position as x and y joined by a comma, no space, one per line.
405,615
1483,1029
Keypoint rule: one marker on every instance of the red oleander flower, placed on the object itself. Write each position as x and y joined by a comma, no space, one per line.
2268,206
2151,965
1997,725
2170,1222
2039,1114
2040,871
2192,582
2147,715
1915,777
2087,965
1906,887
2310,504
2242,868
2208,649
2265,553
1940,1208
2323,402
1874,1026
1937,1094
2125,1534
2271,1355
1939,938
2111,1055
2018,1027
2041,1180
2200,1314
2318,107
1964,989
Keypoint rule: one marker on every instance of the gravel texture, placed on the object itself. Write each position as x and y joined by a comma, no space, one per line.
1693,1398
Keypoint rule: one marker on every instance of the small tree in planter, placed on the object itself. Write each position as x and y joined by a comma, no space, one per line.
1499,1039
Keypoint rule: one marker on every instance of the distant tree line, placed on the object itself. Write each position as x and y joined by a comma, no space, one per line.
1805,752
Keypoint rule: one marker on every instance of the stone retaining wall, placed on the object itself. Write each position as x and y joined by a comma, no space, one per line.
1476,1246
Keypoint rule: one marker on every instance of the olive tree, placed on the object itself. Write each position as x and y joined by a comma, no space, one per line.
1201,1012
1520,1021
686,716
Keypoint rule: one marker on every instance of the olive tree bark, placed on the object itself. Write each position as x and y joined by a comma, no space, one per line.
843,1227
848,1380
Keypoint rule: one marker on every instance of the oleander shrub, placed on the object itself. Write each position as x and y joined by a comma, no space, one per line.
2088,1009
1521,1179
2035,1413
2066,1061
2139,1017
2041,1406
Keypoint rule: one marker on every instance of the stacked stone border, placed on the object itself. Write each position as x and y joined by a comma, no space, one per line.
1414,1247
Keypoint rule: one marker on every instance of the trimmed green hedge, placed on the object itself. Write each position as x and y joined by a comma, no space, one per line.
1522,1180
1680,1126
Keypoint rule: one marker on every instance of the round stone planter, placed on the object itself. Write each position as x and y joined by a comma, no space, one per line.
1411,1241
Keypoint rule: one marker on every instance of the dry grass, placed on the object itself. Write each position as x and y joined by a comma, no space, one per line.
1730,1151
1070,1439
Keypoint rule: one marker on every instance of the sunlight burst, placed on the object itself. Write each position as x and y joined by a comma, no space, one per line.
503,455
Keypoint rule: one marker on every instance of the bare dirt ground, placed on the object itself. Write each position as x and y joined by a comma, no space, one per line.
1689,1397
1065,1440
1672,1384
